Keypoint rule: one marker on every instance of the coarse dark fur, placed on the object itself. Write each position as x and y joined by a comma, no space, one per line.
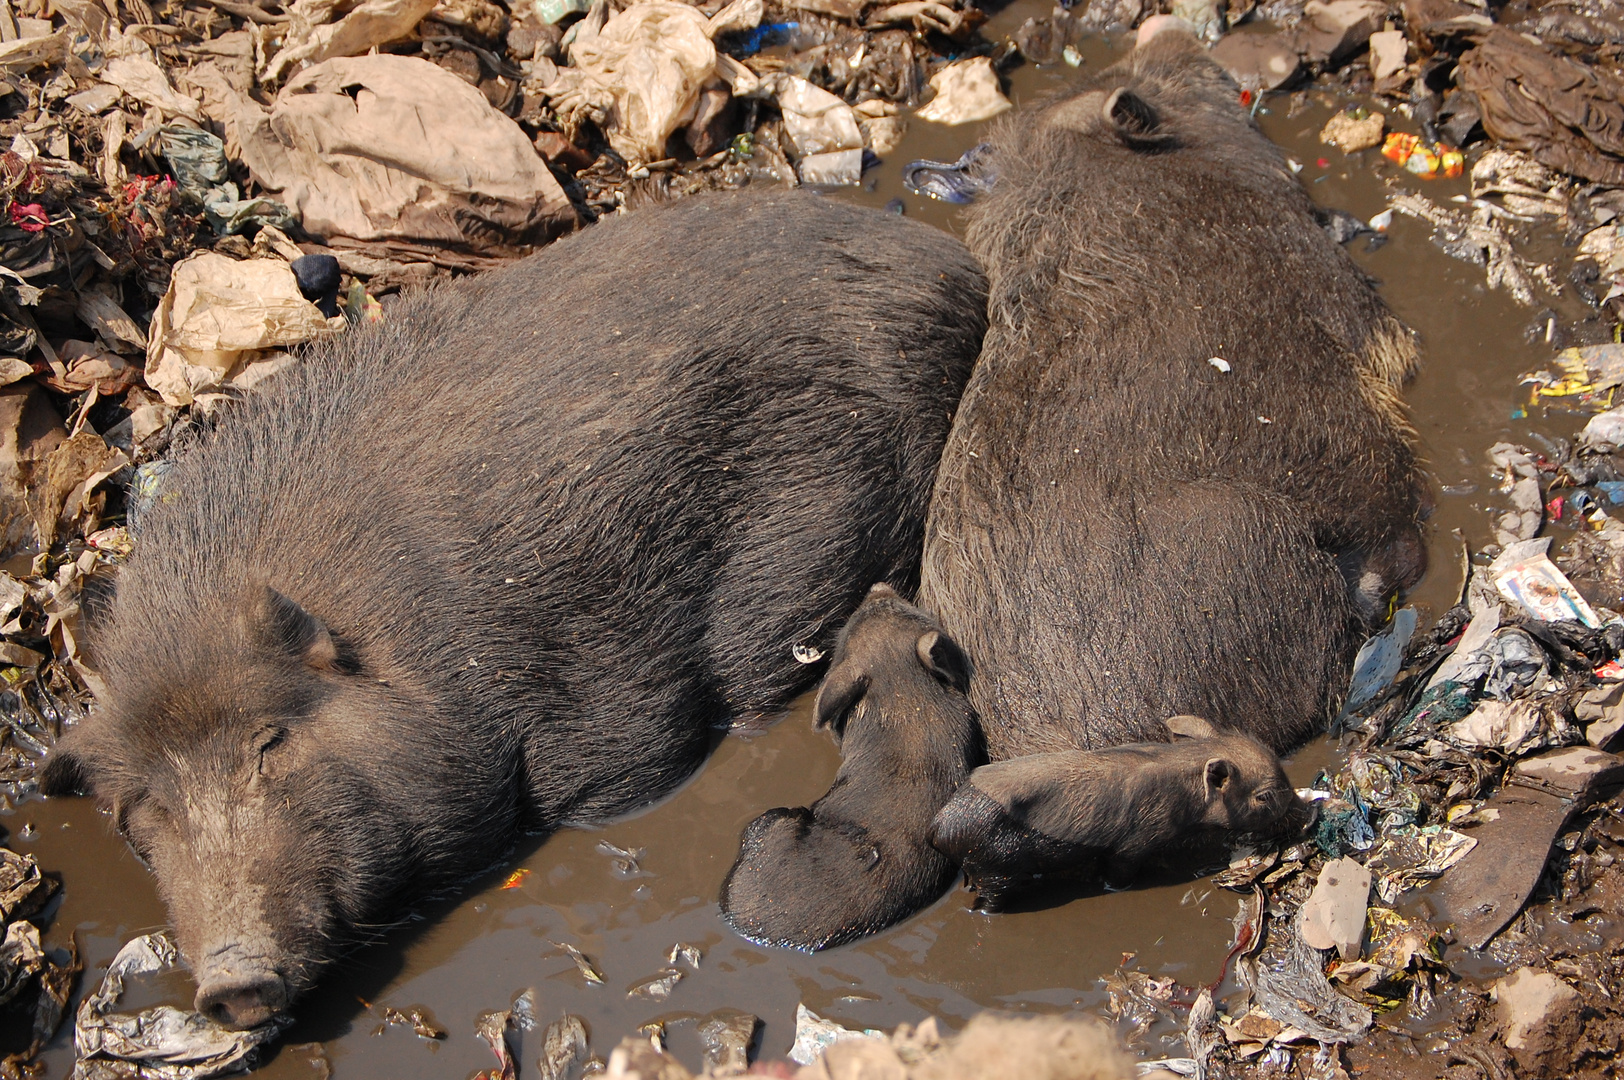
1122,531
1112,810
508,560
858,861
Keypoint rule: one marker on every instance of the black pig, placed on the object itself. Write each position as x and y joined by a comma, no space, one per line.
858,860
1081,810
509,559
1180,480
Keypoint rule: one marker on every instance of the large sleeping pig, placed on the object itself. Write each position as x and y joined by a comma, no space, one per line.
510,559
1180,481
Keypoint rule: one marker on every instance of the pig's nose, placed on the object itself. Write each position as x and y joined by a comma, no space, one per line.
242,1000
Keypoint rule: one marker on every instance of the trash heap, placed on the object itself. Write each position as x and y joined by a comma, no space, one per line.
35,982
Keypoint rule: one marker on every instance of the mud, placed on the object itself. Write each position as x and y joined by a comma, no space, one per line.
475,951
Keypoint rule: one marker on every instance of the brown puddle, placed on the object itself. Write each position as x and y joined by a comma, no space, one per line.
476,951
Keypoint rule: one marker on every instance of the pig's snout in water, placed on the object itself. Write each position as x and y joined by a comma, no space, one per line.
239,991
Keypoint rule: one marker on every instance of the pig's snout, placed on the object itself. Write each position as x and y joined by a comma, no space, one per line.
241,993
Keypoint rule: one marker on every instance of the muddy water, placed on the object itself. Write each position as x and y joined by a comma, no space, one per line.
475,951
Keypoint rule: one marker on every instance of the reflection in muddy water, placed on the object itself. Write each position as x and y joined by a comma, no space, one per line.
476,951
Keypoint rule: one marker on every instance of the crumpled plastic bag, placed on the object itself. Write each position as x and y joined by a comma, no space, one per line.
644,69
381,148
1511,727
1508,662
1521,482
198,160
145,81
217,313
967,92
823,133
1566,114
161,1043
311,36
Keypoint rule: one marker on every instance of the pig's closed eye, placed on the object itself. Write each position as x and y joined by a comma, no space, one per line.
270,739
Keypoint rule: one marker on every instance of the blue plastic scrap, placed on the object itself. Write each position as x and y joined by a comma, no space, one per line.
958,182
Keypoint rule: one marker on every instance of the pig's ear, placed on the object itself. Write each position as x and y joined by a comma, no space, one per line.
65,771
1215,777
842,689
944,659
294,630
1133,118
1191,727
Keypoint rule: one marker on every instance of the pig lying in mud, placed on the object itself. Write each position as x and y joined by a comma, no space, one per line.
858,860
1080,811
509,560
1181,480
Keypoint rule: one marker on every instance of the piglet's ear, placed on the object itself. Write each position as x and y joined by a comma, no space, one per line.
1133,118
1191,727
944,659
64,772
1215,776
294,630
842,689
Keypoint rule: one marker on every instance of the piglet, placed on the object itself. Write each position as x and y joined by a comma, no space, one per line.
859,859
1083,811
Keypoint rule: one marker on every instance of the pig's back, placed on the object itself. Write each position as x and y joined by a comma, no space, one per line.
600,494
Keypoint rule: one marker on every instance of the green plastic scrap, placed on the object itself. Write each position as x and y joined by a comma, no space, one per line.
1442,704
198,161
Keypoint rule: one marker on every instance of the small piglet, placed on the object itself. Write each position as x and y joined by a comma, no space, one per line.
1084,810
858,860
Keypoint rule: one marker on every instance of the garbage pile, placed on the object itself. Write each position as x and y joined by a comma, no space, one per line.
35,982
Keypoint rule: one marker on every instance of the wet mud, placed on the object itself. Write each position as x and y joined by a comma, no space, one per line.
473,952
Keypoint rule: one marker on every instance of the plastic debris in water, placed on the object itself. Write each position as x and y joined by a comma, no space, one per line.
657,987
161,1043
563,1048
949,181
1071,56
1382,221
624,860
1379,660
588,972
687,954
805,654
515,879
1426,160
814,1035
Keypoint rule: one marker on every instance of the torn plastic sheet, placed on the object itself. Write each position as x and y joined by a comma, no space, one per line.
1412,855
1379,660
161,1043
198,161
814,1035
1295,992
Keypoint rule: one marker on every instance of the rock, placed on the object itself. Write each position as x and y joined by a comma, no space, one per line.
1334,30
1349,132
1388,53
1540,1019
1580,773
1333,917
1257,61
